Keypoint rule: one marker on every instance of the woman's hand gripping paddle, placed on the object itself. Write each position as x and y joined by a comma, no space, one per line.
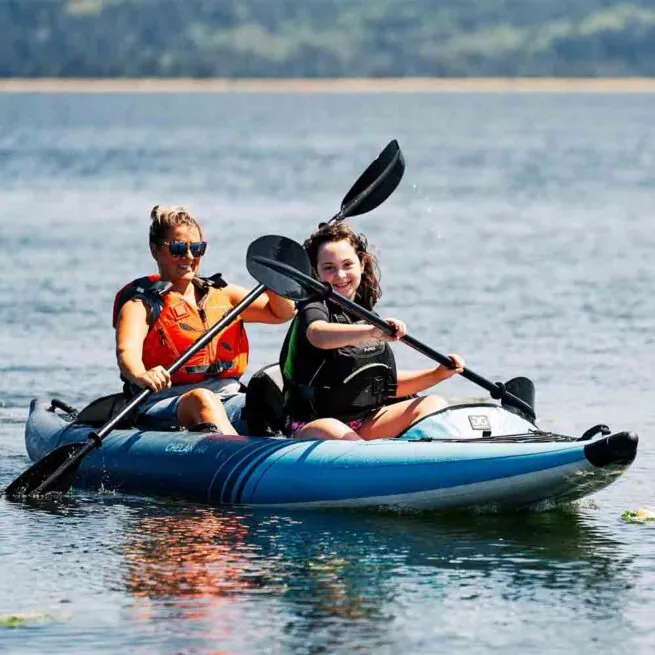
279,264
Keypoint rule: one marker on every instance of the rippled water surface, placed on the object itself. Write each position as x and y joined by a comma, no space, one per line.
521,236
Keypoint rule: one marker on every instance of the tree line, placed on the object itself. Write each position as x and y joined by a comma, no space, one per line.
326,38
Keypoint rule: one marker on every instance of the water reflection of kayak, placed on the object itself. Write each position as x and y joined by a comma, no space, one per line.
309,568
475,455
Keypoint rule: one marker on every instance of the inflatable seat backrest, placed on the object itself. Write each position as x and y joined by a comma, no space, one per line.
264,410
101,410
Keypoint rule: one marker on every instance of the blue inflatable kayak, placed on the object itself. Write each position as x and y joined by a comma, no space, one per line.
465,456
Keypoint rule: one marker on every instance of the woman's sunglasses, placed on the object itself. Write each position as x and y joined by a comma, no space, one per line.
179,248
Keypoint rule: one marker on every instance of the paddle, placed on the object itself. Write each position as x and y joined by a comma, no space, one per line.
268,270
56,471
375,184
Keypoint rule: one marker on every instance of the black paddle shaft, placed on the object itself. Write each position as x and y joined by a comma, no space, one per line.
325,291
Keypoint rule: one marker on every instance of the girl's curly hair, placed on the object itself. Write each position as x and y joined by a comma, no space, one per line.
369,291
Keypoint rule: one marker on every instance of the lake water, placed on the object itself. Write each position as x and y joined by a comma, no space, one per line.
521,237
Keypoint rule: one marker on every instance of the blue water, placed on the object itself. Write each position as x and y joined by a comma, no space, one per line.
520,237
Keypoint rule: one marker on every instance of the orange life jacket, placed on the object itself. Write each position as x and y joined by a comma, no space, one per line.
176,325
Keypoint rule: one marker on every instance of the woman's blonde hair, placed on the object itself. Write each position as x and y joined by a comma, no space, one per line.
369,290
164,219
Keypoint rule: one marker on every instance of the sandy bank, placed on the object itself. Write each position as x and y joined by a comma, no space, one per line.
351,85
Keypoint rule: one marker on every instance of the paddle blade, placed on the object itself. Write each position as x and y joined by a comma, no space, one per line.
523,389
375,184
54,473
285,251
270,270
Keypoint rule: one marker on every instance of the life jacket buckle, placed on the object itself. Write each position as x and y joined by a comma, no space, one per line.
378,386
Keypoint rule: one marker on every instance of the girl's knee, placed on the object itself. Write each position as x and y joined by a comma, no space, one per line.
328,428
430,404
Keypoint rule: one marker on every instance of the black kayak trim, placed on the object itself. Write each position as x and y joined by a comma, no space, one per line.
619,448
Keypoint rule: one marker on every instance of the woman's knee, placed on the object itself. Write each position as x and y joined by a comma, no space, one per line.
199,398
202,406
199,402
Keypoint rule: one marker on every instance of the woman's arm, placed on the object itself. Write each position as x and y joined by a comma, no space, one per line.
411,382
131,331
268,308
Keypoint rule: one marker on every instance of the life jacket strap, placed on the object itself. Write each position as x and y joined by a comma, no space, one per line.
159,288
212,369
382,386
204,283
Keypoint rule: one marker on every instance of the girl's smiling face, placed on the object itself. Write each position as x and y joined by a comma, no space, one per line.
338,265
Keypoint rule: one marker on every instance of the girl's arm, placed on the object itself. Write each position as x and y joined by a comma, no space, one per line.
328,336
411,382
131,332
268,308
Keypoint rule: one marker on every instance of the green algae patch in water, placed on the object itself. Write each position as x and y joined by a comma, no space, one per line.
22,620
641,515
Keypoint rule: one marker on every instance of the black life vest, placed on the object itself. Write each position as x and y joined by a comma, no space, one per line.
348,382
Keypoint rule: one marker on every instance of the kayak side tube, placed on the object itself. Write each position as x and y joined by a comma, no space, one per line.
389,473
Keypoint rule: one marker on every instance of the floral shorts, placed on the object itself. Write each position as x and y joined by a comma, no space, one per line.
355,425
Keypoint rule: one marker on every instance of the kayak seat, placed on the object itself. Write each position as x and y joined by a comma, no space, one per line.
264,408
101,410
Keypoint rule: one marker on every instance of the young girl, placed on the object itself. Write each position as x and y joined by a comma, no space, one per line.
158,317
340,377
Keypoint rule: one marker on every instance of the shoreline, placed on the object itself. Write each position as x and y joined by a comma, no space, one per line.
329,85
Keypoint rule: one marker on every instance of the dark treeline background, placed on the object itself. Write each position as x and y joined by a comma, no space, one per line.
326,38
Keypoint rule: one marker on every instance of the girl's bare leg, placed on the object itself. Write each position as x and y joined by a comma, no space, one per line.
392,420
327,428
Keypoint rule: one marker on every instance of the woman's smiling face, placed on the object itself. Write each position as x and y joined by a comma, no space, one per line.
177,269
338,265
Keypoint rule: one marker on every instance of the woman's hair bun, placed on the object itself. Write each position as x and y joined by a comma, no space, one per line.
164,219
155,213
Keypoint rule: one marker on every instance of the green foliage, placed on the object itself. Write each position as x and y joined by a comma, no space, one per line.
641,515
326,38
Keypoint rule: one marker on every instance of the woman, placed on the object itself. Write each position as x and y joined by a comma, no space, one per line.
157,318
340,377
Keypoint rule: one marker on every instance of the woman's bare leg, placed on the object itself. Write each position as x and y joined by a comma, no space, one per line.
392,420
203,406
